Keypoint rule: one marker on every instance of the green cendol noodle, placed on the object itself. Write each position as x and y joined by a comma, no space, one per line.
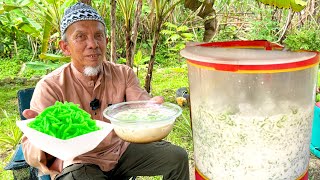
64,121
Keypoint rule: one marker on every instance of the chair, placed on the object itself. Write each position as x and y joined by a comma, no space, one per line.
20,168
315,141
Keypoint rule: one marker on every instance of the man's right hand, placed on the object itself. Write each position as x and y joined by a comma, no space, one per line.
28,113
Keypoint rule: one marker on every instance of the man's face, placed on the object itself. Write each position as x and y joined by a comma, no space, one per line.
86,44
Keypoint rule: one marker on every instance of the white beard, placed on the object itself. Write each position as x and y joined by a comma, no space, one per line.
92,71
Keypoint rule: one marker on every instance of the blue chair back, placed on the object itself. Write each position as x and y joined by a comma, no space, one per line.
24,98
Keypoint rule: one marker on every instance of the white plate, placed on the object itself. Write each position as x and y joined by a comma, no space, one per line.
65,149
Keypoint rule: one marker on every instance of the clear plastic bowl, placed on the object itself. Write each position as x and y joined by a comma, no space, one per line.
142,121
69,148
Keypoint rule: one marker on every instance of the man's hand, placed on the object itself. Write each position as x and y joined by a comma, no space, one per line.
28,113
157,99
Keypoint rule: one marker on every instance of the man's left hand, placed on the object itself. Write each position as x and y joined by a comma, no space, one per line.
157,99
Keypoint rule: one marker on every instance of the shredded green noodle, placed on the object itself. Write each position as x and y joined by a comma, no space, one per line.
64,121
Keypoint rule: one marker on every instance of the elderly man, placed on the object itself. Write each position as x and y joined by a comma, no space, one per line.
90,77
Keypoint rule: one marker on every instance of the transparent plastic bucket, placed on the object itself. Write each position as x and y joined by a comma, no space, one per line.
252,107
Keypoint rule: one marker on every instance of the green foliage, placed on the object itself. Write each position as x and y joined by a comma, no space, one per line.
9,68
17,68
50,14
317,97
7,34
173,38
139,60
228,33
176,36
8,95
3,173
8,129
167,80
127,8
183,128
182,133
306,38
10,136
121,60
15,26
295,5
24,55
166,58
266,29
6,46
13,17
39,68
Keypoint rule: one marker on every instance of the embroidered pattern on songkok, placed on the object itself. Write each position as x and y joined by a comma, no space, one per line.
79,12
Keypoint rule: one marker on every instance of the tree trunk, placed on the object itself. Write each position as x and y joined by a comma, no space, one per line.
152,18
299,20
308,11
133,41
161,16
128,44
286,27
277,15
113,53
317,6
205,9
312,7
211,27
148,79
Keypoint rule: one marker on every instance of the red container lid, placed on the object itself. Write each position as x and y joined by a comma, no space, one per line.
248,57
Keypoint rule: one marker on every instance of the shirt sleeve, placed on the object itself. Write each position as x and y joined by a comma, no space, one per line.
44,95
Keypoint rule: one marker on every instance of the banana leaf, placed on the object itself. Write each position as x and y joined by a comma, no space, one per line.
295,5
39,65
46,33
54,57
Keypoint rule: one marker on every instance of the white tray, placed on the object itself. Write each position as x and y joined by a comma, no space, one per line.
65,149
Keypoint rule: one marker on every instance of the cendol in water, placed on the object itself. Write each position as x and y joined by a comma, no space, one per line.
64,121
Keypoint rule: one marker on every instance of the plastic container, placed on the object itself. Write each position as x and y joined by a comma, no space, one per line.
315,137
65,149
142,121
251,107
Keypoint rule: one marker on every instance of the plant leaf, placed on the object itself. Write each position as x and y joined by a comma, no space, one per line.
167,32
174,37
187,35
39,65
170,25
138,57
54,57
295,5
182,28
46,33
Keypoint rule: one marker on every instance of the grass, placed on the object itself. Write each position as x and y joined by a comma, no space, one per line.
8,115
165,82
